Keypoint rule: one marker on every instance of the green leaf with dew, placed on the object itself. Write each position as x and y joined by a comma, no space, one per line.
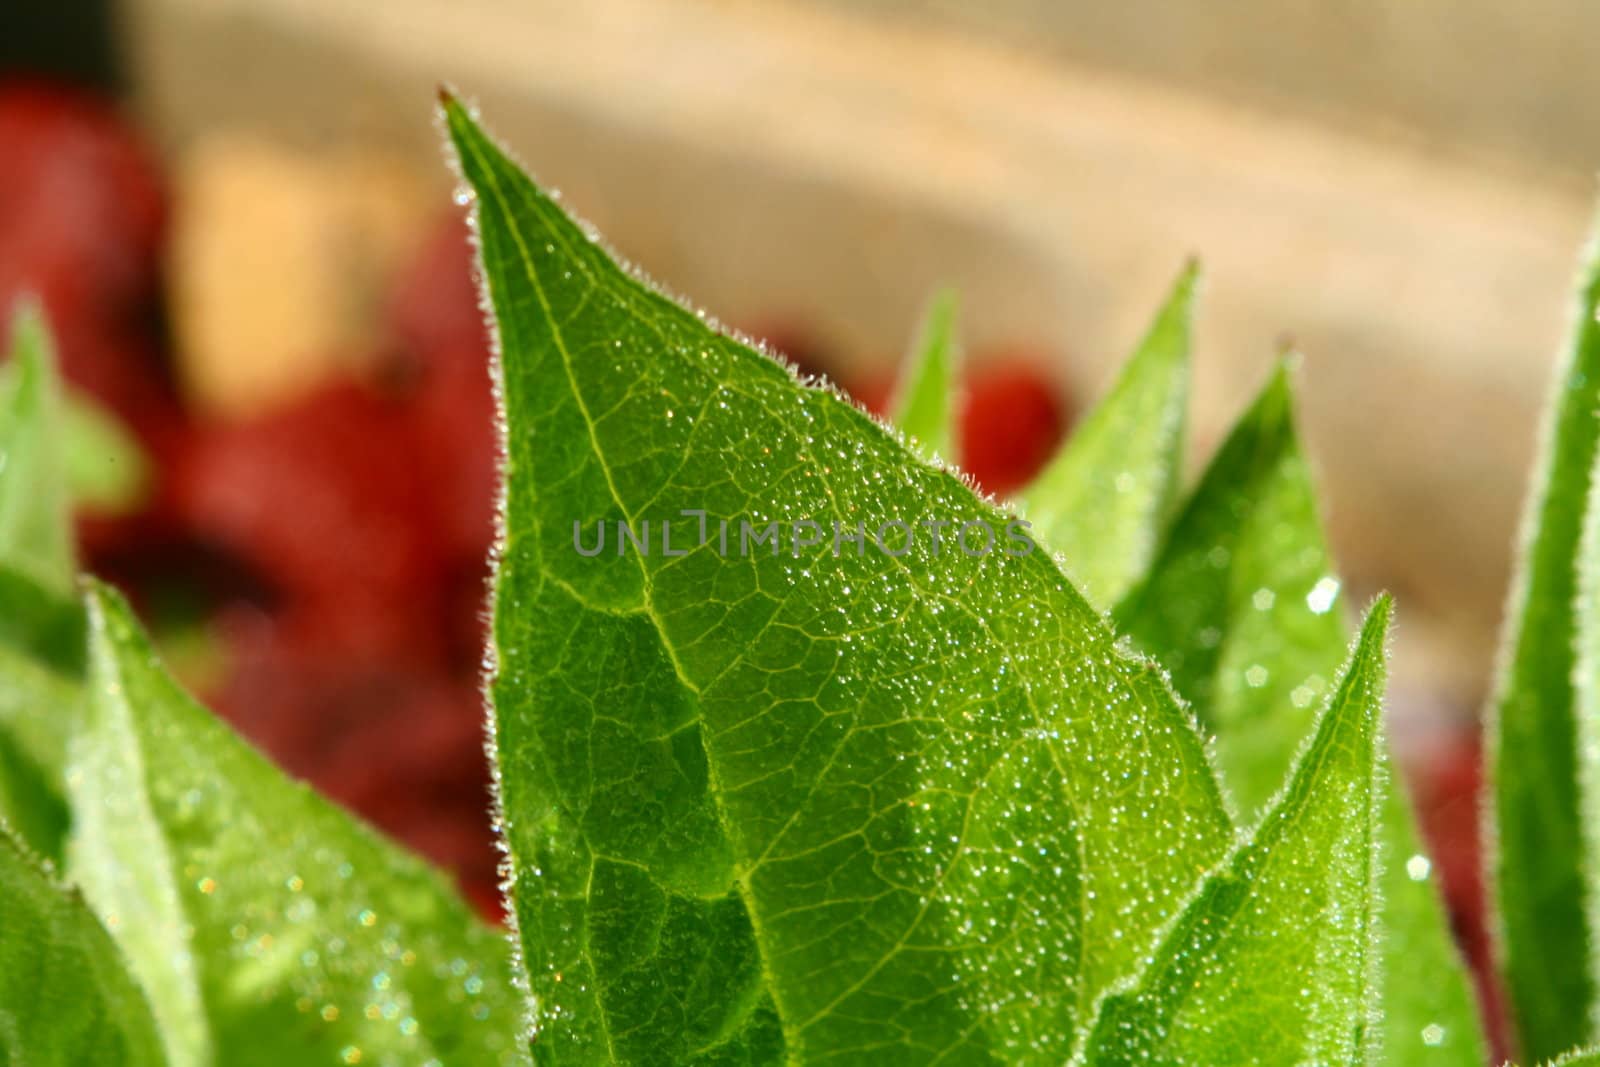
1242,605
1273,960
266,924
1537,855
1103,499
923,405
773,803
35,528
66,997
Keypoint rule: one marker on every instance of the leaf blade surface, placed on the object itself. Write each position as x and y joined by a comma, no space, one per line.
1103,499
892,795
1544,940
1242,604
66,997
1271,962
267,925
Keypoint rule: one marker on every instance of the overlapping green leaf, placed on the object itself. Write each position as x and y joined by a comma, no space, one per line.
267,926
781,804
923,405
41,659
35,536
107,470
1273,960
1587,707
1104,498
66,998
41,631
1545,939
1241,604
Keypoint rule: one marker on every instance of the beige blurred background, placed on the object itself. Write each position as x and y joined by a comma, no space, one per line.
1400,188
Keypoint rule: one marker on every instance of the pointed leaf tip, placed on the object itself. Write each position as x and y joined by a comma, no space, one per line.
1103,499
1254,962
923,407
1533,756
35,518
801,842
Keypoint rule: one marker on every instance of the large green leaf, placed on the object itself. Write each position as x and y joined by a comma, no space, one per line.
66,998
1272,961
771,803
1241,603
1102,501
267,925
35,534
1536,868
923,404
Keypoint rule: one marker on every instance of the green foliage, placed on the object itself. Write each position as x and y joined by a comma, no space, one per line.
35,535
41,633
1578,1058
66,999
303,933
886,785
1537,867
1241,604
924,401
893,797
1103,500
1272,960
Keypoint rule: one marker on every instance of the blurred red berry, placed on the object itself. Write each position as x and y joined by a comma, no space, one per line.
1011,421
323,498
78,193
82,216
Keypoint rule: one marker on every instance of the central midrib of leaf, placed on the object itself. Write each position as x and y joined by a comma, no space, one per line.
646,607
858,778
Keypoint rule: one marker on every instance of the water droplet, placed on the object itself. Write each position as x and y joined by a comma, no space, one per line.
1322,595
1433,1034
1418,867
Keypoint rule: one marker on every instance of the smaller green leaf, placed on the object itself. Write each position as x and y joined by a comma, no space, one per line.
268,926
41,667
1240,602
35,529
1101,502
922,406
66,998
1272,961
1586,684
1241,605
1536,874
